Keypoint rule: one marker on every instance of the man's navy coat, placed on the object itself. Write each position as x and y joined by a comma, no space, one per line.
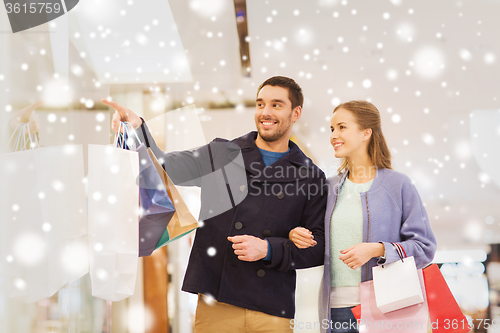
267,202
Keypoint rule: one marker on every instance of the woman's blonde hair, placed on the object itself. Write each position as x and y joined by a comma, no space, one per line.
368,116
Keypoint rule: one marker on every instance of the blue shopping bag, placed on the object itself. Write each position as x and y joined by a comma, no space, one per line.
156,208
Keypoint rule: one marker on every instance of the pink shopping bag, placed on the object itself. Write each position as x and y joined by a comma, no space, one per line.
412,319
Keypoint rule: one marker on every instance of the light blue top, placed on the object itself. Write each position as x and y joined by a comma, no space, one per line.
346,231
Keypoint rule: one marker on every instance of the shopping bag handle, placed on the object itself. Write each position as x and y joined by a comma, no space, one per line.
132,130
126,134
37,143
21,142
117,136
26,128
19,139
31,146
400,251
13,134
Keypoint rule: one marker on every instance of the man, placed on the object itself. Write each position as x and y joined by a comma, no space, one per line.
242,258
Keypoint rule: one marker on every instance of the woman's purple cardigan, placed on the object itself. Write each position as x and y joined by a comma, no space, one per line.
392,212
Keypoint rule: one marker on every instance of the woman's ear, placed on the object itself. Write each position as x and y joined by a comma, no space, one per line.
367,134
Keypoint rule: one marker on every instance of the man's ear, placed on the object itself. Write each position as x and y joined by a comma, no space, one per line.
296,113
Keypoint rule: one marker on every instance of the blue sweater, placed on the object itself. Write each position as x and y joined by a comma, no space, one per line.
392,212
269,157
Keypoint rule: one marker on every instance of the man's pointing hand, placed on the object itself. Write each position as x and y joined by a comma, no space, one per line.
122,114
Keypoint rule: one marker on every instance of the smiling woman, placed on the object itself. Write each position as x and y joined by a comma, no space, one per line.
354,124
370,207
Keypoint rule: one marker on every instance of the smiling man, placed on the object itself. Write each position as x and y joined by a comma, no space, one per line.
248,285
274,116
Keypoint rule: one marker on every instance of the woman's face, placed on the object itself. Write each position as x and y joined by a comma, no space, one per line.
346,138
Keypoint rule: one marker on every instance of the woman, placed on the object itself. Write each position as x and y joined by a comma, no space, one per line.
369,207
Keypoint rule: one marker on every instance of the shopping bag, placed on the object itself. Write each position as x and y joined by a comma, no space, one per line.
43,220
356,312
113,218
182,222
411,319
156,207
445,314
396,284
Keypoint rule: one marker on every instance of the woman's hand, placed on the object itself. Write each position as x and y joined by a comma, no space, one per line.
302,238
359,254
122,114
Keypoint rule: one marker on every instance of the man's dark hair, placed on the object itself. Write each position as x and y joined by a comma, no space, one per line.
294,91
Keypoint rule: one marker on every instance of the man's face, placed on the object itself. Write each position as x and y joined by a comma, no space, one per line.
274,116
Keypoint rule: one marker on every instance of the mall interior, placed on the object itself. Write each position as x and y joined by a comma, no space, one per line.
191,69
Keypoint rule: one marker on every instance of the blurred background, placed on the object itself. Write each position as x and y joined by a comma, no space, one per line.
430,67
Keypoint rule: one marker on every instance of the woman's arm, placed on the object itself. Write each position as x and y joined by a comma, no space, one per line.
417,238
359,254
354,256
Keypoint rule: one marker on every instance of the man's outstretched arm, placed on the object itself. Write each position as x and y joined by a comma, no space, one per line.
183,167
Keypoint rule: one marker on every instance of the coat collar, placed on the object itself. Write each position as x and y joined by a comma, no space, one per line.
379,176
254,163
